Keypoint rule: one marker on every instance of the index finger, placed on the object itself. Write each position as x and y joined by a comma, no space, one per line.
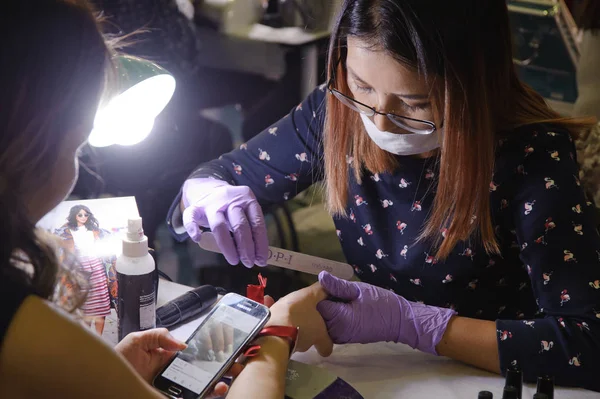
324,344
220,229
228,337
218,341
242,234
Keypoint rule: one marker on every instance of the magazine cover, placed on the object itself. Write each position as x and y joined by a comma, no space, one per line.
91,231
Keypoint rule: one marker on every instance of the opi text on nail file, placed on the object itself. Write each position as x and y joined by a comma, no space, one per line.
291,260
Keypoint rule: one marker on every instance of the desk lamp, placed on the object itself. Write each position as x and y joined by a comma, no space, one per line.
144,90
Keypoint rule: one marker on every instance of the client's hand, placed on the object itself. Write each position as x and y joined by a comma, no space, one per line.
296,309
299,309
149,351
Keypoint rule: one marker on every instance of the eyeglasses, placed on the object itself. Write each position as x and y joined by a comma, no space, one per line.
83,215
411,125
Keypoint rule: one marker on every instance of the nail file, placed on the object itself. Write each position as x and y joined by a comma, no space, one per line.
290,259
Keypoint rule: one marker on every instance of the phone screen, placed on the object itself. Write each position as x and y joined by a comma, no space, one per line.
214,345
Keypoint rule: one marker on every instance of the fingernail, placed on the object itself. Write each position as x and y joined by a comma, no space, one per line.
233,261
178,342
229,349
325,277
210,355
261,262
220,356
193,231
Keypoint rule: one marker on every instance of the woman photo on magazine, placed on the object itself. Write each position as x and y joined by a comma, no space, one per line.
81,236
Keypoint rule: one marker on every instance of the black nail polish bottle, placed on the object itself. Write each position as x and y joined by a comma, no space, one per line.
514,378
545,385
510,392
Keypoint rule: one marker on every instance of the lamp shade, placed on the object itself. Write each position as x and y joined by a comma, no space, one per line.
144,90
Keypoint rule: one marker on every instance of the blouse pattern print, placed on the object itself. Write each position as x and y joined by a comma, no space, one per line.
543,290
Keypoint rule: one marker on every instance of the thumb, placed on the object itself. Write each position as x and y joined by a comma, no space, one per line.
164,340
323,344
336,287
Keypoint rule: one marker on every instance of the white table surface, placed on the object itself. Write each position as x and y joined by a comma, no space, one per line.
385,370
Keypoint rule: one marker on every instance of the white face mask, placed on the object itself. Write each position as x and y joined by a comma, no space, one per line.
402,144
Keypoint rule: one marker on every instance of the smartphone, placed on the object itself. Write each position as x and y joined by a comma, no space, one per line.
215,345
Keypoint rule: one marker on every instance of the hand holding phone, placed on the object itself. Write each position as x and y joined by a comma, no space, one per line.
213,347
148,351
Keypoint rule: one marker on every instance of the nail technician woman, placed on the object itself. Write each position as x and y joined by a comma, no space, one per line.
451,183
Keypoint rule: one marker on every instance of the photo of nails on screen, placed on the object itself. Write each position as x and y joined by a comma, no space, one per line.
214,343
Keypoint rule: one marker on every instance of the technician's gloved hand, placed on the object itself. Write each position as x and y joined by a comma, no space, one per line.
227,209
373,314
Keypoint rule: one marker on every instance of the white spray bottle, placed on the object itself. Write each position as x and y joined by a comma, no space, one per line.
138,282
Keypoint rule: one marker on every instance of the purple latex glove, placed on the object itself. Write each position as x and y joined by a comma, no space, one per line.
373,314
226,209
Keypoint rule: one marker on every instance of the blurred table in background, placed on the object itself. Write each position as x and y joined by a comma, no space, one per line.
237,21
546,49
308,44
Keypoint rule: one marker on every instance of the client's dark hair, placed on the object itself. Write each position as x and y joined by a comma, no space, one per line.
53,68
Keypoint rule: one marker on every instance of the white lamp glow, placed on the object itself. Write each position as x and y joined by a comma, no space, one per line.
129,118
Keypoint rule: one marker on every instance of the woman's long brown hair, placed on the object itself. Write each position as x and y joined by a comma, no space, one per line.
464,50
53,67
